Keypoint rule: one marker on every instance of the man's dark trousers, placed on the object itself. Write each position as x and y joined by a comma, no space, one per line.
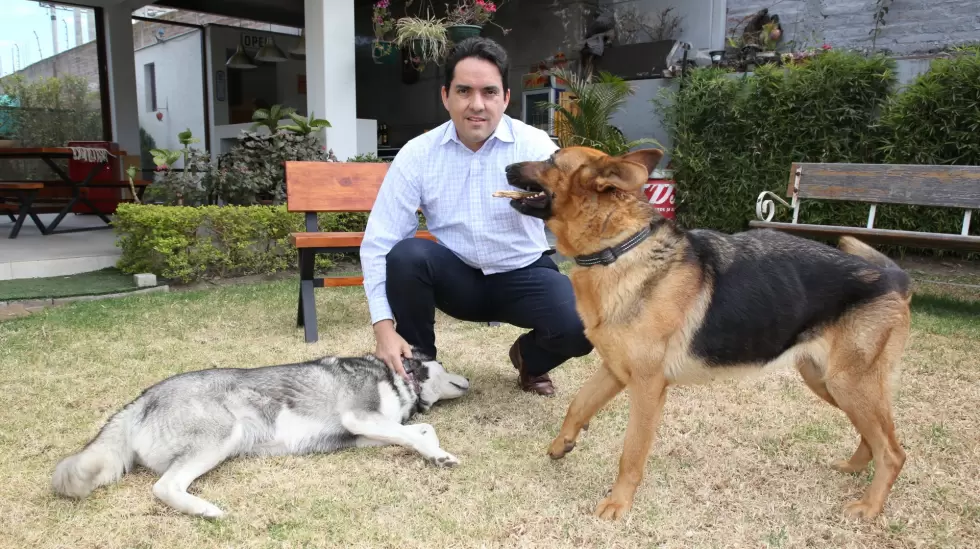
422,275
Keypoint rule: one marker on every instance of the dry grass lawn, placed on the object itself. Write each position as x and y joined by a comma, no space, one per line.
737,464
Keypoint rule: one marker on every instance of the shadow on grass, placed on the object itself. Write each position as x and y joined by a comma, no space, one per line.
947,315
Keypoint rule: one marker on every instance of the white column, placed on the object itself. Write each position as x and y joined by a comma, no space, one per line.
719,29
122,78
331,92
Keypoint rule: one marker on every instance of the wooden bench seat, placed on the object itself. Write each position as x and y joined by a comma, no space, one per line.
335,187
337,240
874,184
18,198
28,199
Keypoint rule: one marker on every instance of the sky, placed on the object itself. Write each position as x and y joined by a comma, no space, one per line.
21,19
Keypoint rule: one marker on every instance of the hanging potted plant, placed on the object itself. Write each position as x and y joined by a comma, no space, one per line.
382,49
468,18
426,39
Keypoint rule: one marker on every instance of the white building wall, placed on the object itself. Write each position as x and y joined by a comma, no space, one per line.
179,89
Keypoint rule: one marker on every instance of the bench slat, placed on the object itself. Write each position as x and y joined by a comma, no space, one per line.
20,186
942,186
337,240
332,186
877,236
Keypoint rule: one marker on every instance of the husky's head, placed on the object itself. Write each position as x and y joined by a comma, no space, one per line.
433,381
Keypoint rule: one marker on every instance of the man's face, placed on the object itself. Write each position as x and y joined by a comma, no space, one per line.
476,99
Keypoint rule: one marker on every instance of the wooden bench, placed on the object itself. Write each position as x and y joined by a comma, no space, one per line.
57,197
18,198
919,185
314,187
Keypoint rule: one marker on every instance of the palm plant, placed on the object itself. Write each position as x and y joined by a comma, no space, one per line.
304,125
587,120
270,117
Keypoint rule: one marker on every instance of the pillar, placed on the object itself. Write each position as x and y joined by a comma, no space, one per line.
122,77
331,92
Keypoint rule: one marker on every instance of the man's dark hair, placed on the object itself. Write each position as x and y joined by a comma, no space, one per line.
482,48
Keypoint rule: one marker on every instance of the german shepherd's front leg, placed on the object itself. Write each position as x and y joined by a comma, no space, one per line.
595,394
647,396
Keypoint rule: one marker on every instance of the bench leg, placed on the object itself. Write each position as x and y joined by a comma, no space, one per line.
25,209
306,309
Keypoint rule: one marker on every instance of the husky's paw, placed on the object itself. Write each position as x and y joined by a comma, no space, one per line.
444,460
208,511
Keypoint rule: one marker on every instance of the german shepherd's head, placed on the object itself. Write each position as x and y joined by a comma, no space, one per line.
581,191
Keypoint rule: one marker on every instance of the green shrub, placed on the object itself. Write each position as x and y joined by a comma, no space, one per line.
935,120
185,243
735,136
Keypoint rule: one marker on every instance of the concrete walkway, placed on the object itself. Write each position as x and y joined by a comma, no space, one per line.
33,255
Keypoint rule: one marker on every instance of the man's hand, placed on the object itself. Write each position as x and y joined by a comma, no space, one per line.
391,347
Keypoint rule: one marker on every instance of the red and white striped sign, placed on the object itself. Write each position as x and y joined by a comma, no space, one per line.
659,191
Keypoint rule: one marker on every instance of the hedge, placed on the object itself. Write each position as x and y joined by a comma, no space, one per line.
188,243
734,136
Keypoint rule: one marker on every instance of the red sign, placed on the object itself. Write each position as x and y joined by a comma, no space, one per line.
660,194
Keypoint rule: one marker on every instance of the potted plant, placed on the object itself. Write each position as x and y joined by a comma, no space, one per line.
425,39
382,49
769,37
468,17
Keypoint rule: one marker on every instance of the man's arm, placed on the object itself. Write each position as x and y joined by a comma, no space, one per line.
391,220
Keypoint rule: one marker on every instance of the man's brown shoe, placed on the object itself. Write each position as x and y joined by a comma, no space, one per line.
533,384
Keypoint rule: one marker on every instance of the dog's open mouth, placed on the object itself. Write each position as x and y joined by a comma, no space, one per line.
535,197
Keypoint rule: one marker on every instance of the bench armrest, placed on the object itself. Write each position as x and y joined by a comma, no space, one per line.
766,209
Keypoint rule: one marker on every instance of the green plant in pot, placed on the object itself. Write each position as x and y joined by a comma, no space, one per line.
588,120
382,50
425,39
468,18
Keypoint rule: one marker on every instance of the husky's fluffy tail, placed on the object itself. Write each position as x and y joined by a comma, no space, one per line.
853,246
102,461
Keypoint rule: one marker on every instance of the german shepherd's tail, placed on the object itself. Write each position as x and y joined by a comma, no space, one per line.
102,461
853,246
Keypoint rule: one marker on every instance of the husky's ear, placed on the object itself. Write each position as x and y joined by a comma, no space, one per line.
417,354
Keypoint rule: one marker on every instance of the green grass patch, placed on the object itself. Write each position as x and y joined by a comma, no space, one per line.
105,281
945,315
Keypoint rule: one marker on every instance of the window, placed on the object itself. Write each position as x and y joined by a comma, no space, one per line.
150,83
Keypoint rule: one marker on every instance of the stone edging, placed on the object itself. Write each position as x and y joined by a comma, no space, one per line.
37,304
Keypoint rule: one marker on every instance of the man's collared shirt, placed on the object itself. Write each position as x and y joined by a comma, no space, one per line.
453,186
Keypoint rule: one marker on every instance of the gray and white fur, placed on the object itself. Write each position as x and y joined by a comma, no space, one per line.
186,425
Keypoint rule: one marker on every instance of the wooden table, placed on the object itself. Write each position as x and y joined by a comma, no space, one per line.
48,155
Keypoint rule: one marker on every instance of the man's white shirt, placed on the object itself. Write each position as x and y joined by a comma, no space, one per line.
453,186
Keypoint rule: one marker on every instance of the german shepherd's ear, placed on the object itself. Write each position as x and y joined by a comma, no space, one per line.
648,158
628,172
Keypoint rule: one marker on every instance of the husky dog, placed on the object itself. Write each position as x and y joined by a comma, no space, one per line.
186,425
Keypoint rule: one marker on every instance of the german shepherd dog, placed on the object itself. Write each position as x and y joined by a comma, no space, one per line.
666,306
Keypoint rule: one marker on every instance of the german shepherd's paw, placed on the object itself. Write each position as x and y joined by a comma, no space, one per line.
612,508
444,460
861,509
560,446
845,466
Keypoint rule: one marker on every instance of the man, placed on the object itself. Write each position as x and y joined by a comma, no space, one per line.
490,262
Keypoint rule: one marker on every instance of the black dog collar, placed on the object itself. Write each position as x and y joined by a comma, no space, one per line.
609,255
